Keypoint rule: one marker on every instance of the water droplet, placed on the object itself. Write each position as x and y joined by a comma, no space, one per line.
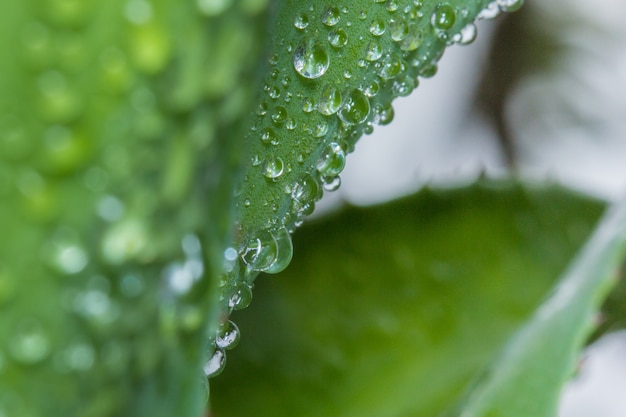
398,29
273,92
392,66
216,364
227,336
403,87
273,167
490,12
332,161
510,5
383,115
413,39
377,27
308,105
268,136
241,297
338,38
311,60
467,35
371,89
332,183
373,52
443,17
330,100
279,116
301,21
284,248
306,189
260,252
429,71
356,108
29,344
290,123
392,5
331,16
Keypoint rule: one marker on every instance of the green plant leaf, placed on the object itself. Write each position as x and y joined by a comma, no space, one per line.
334,69
121,132
392,310
527,378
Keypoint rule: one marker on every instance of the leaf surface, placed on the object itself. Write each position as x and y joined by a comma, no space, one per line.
392,310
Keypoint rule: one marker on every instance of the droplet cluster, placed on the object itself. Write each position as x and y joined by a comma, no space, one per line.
333,74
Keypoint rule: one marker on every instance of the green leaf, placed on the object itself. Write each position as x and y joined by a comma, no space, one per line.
527,379
392,310
121,132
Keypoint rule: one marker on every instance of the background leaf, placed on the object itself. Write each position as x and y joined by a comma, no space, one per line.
391,310
528,377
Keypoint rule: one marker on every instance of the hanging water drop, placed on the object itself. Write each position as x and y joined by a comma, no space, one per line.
228,336
356,108
332,161
241,297
332,183
413,39
392,66
467,35
311,60
383,115
306,189
216,364
284,251
330,100
398,29
260,251
510,5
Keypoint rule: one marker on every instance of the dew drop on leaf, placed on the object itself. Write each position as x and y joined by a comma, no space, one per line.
443,17
377,27
301,21
338,38
373,51
332,161
311,60
216,364
227,336
260,251
330,100
510,5
273,167
306,189
331,16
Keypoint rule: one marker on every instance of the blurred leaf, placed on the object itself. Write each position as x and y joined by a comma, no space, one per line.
527,379
391,310
119,147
